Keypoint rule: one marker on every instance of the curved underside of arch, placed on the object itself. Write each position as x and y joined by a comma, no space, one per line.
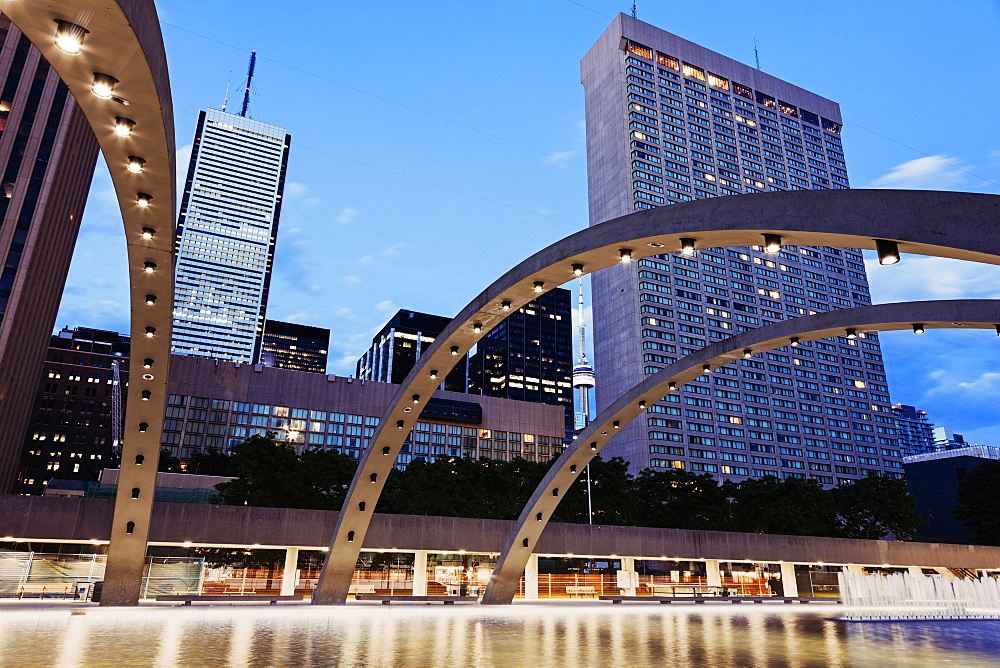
943,224
124,41
956,314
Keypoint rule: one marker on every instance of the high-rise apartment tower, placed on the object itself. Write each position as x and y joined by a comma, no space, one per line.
226,232
669,121
47,156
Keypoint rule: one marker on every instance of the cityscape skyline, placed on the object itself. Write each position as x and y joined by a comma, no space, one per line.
345,280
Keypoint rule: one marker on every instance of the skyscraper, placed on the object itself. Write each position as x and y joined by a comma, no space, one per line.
226,232
669,121
287,345
398,346
529,356
47,154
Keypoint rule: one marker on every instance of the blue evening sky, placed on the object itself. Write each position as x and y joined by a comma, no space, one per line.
435,144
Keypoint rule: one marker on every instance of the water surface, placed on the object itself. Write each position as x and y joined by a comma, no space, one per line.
520,635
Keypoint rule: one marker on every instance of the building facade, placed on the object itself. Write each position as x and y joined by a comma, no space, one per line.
946,439
914,430
47,156
669,121
214,404
70,433
529,356
398,346
226,233
287,345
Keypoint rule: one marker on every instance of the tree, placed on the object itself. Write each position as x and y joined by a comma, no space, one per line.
267,474
795,507
679,499
613,490
210,462
876,507
979,503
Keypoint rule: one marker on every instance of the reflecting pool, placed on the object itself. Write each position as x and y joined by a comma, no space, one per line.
527,634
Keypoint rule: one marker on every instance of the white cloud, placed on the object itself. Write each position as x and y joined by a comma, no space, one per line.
296,189
351,278
559,157
386,306
348,215
392,251
935,172
932,278
183,157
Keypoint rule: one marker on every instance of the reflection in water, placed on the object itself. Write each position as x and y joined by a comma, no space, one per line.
528,634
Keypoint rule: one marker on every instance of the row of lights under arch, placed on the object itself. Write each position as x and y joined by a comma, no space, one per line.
69,38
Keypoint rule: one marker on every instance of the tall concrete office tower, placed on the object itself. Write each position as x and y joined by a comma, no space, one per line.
669,121
47,156
226,232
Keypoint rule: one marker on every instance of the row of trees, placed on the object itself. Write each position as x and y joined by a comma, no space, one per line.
272,474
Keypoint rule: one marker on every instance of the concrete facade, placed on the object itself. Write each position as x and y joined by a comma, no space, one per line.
82,520
215,403
670,121
47,156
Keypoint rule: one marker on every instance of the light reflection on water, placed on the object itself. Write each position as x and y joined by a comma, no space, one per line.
534,635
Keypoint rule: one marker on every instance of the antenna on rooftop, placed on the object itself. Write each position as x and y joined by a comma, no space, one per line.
225,103
756,55
246,93
633,10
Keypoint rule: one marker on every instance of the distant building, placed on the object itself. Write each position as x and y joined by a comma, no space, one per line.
69,436
398,346
215,404
529,356
914,429
946,439
287,345
47,161
934,478
226,232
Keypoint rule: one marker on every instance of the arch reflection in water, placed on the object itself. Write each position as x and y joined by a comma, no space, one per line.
537,634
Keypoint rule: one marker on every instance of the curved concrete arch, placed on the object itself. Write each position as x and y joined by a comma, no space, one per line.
124,42
944,224
964,314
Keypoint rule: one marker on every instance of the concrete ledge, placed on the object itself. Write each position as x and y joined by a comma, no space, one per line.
79,520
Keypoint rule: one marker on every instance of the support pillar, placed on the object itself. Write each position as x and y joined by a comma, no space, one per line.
713,573
420,573
531,578
288,574
628,566
855,569
915,571
789,585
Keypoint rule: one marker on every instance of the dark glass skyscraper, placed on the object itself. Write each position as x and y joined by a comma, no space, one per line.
287,345
47,156
398,346
529,356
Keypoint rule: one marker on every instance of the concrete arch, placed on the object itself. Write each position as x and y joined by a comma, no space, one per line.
124,42
944,224
963,314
